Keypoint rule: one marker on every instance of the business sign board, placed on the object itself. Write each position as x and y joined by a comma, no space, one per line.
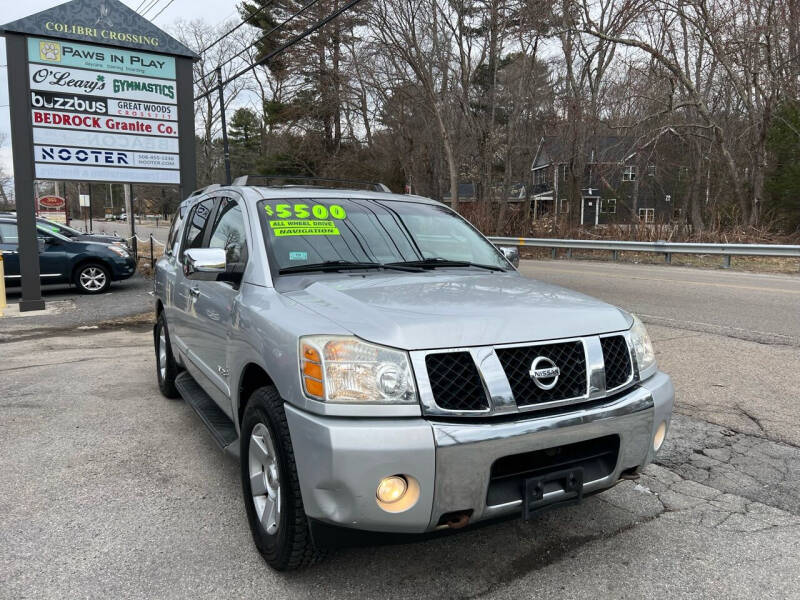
111,60
52,202
96,93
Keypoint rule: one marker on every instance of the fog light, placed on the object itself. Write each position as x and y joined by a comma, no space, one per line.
391,489
658,438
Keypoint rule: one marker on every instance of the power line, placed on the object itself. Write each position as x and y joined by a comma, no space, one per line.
304,34
162,10
149,6
227,33
140,5
268,33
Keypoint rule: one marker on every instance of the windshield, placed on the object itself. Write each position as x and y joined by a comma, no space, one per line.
58,227
306,232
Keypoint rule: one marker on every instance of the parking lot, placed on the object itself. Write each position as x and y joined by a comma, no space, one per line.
108,489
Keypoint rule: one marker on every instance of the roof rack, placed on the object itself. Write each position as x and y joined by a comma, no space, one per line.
203,190
265,179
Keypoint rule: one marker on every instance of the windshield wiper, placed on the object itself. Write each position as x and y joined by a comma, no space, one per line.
338,265
432,263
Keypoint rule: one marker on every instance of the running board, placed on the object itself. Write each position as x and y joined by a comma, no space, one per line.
221,427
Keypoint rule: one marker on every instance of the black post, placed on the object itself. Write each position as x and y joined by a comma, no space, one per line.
91,214
225,149
152,256
22,142
183,67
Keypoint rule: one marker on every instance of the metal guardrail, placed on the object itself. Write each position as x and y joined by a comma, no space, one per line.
665,248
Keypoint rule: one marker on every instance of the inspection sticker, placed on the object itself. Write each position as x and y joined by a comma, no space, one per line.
298,255
286,227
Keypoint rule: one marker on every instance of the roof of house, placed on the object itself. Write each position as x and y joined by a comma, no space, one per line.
597,149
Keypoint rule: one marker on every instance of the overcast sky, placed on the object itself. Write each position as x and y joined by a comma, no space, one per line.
211,11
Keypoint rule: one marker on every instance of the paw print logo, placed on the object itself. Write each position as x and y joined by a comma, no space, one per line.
50,51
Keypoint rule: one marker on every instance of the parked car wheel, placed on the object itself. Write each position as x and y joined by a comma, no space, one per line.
166,368
271,487
92,278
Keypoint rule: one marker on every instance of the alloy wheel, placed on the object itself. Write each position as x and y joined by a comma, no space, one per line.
93,279
265,485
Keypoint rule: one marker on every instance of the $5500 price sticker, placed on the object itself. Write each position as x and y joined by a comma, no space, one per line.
305,211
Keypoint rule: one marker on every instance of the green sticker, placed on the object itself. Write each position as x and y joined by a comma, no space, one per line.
304,227
305,211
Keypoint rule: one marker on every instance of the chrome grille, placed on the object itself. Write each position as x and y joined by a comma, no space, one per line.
570,359
455,382
496,380
617,360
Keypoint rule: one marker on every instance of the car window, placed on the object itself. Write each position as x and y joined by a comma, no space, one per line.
198,225
172,238
312,231
8,233
229,234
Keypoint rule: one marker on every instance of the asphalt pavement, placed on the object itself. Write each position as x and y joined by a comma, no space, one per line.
752,306
108,489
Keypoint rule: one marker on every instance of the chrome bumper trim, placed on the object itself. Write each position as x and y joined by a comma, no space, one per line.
466,451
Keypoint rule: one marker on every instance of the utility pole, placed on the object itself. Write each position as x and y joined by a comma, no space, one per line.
225,149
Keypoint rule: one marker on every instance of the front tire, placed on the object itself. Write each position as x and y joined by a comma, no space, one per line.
271,487
166,369
92,278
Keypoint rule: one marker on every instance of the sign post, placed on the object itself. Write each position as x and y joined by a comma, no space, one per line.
97,94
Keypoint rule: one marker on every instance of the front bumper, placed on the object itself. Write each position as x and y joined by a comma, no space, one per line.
341,460
122,268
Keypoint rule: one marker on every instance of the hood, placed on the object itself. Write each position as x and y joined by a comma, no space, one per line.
98,237
443,309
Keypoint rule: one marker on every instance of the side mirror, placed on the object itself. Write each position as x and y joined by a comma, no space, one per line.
42,243
512,254
204,264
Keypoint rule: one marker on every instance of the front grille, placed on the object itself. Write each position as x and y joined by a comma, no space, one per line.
617,361
567,356
455,381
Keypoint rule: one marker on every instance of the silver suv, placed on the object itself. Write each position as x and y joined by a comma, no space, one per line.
382,371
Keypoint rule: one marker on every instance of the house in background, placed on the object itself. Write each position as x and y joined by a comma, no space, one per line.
623,181
468,192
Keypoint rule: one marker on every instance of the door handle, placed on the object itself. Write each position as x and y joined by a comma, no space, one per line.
194,291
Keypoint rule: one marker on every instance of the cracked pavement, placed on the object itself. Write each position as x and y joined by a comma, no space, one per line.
107,489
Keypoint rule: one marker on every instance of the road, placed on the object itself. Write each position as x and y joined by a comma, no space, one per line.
751,306
108,489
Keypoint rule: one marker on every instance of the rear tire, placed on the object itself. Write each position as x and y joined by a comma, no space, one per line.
166,369
271,487
92,278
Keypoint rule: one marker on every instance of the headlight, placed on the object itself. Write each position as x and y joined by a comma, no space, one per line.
643,349
119,250
346,369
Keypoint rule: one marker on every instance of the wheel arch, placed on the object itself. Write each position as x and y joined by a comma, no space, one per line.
253,377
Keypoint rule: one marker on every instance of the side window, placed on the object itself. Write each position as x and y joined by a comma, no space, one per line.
197,226
229,233
8,233
172,238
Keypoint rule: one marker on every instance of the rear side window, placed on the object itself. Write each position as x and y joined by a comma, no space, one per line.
172,238
199,222
8,233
